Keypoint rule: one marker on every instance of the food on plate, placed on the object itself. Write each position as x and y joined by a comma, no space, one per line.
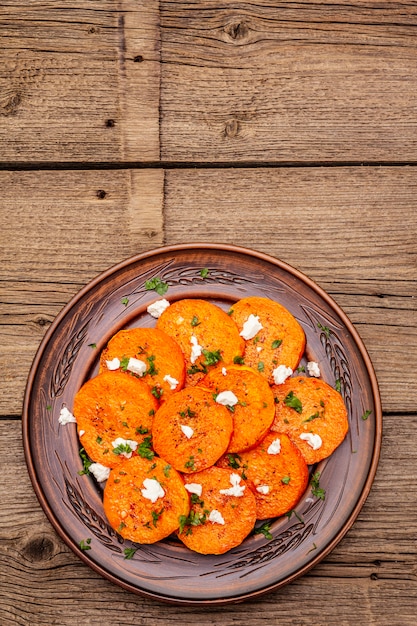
275,471
313,415
149,353
223,511
144,499
250,400
200,426
205,333
191,430
273,337
114,414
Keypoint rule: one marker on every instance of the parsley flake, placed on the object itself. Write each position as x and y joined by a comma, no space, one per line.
204,272
325,329
293,402
156,284
316,490
366,415
85,544
86,463
276,343
125,301
92,345
264,530
129,552
144,449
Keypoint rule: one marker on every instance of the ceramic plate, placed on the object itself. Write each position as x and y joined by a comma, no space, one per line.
69,355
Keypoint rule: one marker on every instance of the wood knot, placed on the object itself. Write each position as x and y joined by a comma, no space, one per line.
110,123
38,549
93,29
101,194
42,321
9,103
237,31
232,128
138,58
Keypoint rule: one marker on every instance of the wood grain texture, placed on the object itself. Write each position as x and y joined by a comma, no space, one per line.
288,82
58,232
371,574
352,230
79,81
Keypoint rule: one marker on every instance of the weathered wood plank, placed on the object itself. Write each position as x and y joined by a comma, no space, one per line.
309,82
370,574
59,230
79,81
352,230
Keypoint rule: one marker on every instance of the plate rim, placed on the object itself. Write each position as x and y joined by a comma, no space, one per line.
186,248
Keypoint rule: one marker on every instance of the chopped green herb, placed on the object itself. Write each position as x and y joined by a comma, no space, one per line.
196,500
190,463
297,515
338,385
366,414
166,470
293,402
49,407
122,448
204,272
156,284
157,392
92,345
124,362
261,366
276,343
125,301
233,460
141,430
212,357
312,417
85,544
99,440
152,371
316,490
325,329
195,321
121,526
151,412
264,530
144,449
125,424
239,360
286,480
156,515
230,312
194,519
301,368
129,552
86,463
313,548
276,400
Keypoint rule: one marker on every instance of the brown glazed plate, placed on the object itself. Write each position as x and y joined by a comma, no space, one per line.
167,570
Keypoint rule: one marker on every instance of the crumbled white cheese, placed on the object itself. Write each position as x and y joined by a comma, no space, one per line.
194,488
263,489
281,373
216,517
172,382
251,327
313,369
224,371
259,348
128,442
236,489
114,364
152,490
100,472
196,349
313,440
65,416
136,366
157,308
187,430
275,447
81,433
227,398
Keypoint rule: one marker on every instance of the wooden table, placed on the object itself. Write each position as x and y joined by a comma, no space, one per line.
287,127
